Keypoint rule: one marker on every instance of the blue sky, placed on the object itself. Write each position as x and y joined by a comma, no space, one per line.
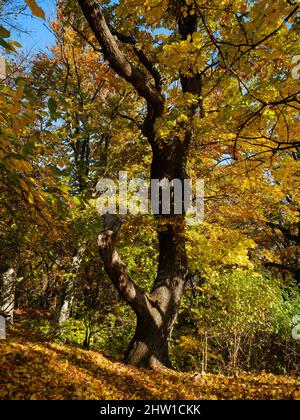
38,37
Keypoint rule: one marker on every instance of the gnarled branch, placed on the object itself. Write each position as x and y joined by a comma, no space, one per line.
115,267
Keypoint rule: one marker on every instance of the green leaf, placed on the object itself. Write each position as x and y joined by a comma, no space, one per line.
77,201
4,33
52,105
5,45
35,9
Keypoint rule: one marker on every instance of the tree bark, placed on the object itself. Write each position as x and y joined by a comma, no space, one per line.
156,311
150,345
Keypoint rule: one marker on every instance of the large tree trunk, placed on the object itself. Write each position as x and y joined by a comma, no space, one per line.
156,311
150,345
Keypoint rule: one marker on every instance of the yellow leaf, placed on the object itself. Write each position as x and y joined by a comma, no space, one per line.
20,165
30,198
35,9
41,197
24,185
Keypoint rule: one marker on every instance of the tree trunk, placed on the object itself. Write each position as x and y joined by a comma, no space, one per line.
66,303
67,298
7,295
156,311
150,345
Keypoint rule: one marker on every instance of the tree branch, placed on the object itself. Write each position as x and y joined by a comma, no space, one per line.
127,117
115,267
141,56
85,38
116,58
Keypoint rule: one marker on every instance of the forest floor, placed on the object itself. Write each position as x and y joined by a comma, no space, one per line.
33,369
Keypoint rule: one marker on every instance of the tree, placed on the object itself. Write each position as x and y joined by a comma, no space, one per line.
202,47
156,312
31,199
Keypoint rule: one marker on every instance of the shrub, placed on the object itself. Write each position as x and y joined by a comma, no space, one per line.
238,320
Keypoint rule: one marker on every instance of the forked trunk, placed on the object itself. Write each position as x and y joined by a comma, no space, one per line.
156,311
150,344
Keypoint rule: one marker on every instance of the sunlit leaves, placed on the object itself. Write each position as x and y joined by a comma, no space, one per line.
31,371
6,45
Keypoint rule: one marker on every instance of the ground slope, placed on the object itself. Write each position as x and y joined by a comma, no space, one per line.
38,370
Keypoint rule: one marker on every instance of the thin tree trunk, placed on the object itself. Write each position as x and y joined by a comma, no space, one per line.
67,297
7,294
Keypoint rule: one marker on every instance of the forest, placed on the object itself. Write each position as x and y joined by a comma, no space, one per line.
150,200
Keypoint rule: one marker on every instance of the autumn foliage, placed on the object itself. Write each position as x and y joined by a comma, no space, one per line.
33,370
156,89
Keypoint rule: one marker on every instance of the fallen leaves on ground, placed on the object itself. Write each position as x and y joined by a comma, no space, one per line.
35,370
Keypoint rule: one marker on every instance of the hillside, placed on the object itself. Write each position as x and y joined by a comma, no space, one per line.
41,370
